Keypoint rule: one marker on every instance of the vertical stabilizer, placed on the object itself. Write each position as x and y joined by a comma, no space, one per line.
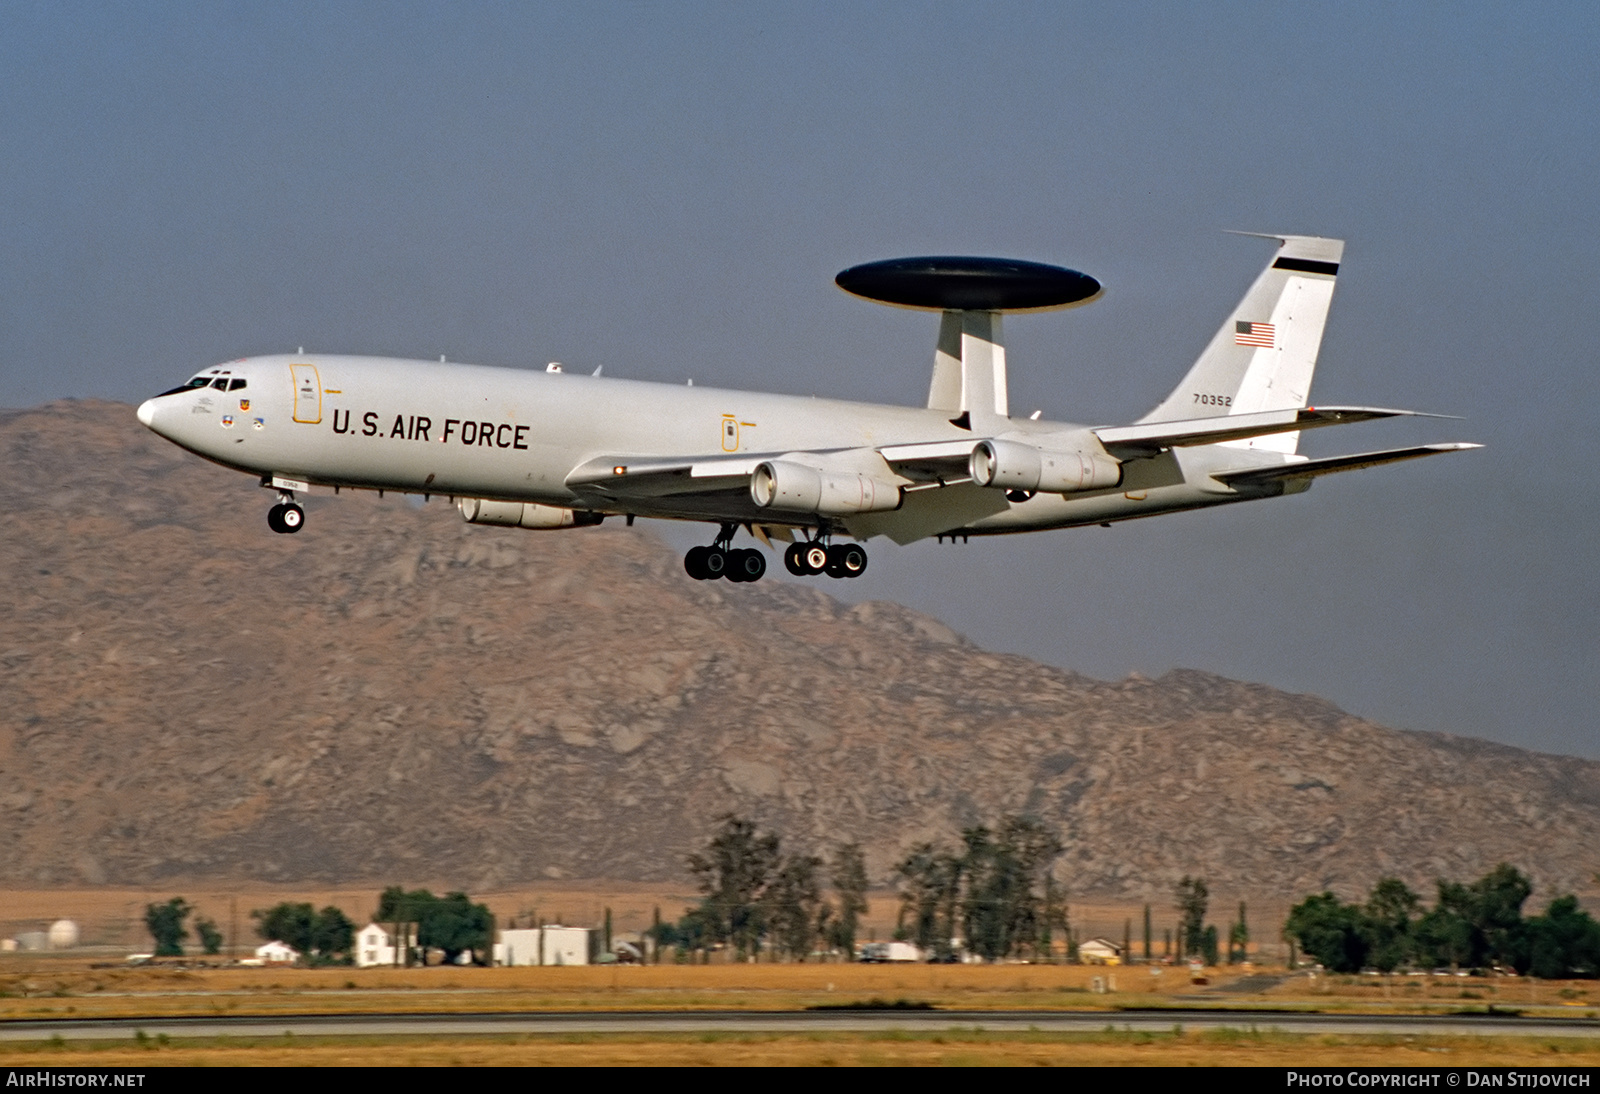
1264,356
969,369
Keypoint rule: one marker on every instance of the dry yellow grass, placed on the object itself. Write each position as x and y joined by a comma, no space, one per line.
887,1049
58,987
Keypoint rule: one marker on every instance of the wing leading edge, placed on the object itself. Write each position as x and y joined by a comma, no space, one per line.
1330,465
1148,438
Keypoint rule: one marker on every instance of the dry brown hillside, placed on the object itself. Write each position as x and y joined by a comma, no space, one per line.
394,694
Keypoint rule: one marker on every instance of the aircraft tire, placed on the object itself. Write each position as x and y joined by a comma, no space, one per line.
815,558
292,517
846,560
794,560
746,565
715,563
694,563
275,519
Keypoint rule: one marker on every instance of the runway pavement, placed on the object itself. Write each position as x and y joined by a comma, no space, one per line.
850,1021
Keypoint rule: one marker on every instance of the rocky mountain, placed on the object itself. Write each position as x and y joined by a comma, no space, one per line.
393,694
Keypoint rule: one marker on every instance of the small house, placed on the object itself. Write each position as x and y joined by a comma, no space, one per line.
1100,951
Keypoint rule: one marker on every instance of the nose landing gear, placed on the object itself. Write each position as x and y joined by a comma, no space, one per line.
286,517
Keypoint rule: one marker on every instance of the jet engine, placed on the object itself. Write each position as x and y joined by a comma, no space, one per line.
1013,465
517,514
779,484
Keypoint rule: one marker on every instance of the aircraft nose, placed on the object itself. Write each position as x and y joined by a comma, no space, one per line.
147,413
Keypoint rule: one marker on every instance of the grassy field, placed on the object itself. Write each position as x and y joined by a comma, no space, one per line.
950,1048
60,987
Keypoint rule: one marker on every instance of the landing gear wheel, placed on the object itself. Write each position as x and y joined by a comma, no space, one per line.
814,557
275,519
794,559
846,560
292,517
715,562
746,565
694,563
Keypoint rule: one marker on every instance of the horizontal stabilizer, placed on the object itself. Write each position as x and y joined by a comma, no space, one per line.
1331,465
1149,438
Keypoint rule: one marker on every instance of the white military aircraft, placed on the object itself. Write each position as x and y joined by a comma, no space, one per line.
551,450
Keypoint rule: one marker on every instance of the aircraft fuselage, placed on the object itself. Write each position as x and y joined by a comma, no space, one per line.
461,430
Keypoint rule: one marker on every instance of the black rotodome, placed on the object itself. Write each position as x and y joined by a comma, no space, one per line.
968,284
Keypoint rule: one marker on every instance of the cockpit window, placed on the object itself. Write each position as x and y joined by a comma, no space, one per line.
235,385
198,381
220,383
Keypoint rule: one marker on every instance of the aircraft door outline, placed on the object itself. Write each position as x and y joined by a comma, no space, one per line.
307,394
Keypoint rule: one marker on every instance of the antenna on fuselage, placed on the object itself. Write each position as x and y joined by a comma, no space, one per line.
969,362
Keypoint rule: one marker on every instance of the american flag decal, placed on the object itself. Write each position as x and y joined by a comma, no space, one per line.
1253,334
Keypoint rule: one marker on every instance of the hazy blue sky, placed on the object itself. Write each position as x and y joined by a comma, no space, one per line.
668,189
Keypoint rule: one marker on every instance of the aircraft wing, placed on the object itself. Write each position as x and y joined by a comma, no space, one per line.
1329,465
618,477
1131,442
927,465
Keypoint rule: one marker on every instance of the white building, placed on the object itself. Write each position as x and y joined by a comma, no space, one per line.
375,946
277,953
550,945
887,952
1100,951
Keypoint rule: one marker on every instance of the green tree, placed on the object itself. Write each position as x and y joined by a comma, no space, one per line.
794,905
1239,938
1562,943
403,910
165,923
1330,931
333,936
1055,919
210,936
454,924
1390,928
1003,912
1479,924
288,923
848,872
930,892
688,935
321,938
733,874
1192,900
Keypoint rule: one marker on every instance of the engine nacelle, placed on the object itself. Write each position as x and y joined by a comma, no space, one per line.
518,514
796,488
1013,465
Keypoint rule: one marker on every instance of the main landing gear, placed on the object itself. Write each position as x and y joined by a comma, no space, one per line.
721,559
835,560
806,559
286,516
